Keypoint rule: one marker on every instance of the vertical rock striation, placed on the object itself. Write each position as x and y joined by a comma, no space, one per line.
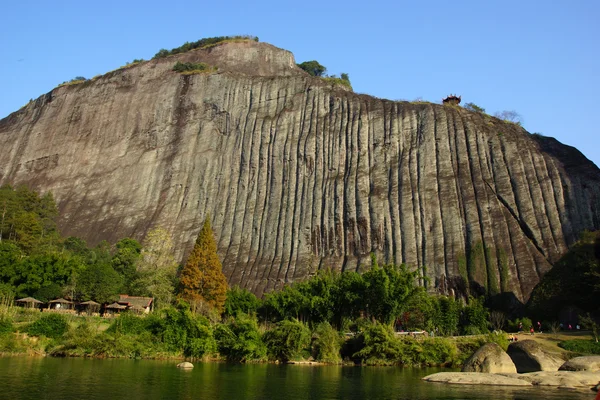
298,175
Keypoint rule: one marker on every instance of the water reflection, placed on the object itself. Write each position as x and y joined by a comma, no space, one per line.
51,378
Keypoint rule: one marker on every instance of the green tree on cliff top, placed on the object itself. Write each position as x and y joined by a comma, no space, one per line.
202,280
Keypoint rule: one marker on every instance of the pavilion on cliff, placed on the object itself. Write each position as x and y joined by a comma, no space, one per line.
452,100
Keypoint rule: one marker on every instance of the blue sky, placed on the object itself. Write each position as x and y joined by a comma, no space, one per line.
539,58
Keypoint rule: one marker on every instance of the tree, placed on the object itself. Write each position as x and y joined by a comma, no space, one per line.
510,116
313,68
125,262
202,279
345,77
156,268
474,107
99,282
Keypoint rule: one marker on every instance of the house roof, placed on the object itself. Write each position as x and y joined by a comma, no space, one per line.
61,300
116,306
28,300
135,301
89,303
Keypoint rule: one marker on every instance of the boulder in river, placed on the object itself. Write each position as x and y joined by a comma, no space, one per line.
529,356
585,363
490,358
185,365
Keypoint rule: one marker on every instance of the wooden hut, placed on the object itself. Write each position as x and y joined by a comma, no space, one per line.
89,307
142,305
29,302
60,305
114,309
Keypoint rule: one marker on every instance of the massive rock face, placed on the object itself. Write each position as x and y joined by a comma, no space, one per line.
298,175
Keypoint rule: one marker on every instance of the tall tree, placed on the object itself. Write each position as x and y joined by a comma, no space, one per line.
202,279
156,268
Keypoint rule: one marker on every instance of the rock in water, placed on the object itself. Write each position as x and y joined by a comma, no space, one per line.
185,365
585,363
528,356
298,174
490,358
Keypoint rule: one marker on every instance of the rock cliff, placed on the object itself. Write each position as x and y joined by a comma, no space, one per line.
299,175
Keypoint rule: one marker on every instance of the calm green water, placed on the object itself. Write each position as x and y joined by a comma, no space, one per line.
52,378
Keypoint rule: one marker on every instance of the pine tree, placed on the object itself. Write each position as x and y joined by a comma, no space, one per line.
202,280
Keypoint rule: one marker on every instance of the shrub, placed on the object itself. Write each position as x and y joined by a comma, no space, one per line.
287,340
501,339
377,345
334,80
438,351
314,68
188,66
326,343
181,331
513,326
6,325
128,324
510,116
474,107
51,325
203,43
240,301
239,340
581,346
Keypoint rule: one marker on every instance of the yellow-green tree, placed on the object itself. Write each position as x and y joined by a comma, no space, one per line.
202,280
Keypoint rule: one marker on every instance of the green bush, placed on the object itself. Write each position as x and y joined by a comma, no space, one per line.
313,68
51,325
513,326
326,344
188,67
240,301
334,80
239,340
377,345
128,324
206,42
437,351
581,346
181,331
6,325
474,107
13,344
288,340
501,339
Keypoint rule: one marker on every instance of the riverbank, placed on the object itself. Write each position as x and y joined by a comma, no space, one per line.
178,334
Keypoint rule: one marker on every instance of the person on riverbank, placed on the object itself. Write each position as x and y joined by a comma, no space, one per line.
531,331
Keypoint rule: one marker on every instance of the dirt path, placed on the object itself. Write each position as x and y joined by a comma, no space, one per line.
550,341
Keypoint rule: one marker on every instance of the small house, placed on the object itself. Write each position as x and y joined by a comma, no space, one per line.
142,305
29,302
60,305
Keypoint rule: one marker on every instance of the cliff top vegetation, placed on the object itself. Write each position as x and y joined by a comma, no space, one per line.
203,43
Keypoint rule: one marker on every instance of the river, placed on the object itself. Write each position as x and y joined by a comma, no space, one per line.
38,378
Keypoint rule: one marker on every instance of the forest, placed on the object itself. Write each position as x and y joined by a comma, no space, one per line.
332,317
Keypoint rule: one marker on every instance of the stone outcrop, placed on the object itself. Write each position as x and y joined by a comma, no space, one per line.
529,356
558,379
185,365
299,175
490,358
476,378
585,363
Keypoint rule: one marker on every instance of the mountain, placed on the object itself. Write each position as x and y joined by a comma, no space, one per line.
298,173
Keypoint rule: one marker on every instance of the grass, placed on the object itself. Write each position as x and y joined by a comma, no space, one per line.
71,83
337,81
240,40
